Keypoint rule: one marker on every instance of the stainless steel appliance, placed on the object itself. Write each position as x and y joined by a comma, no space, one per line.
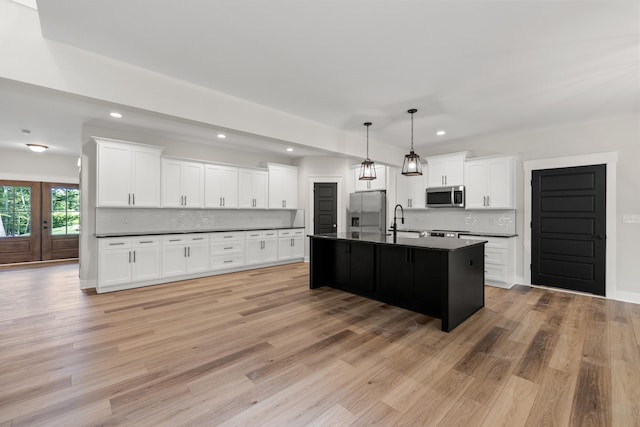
452,234
445,197
367,212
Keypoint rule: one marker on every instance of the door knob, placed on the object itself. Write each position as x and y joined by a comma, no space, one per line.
334,226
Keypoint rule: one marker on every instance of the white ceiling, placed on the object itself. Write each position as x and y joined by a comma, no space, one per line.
470,67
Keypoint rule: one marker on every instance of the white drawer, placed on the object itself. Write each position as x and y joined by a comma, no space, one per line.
227,261
262,234
142,241
496,273
198,238
230,235
291,232
218,248
495,256
115,243
174,239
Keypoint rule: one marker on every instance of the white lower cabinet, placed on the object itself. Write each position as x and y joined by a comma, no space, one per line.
129,262
499,260
124,260
290,244
261,246
185,254
227,250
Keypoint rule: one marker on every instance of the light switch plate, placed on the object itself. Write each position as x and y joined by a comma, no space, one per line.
630,219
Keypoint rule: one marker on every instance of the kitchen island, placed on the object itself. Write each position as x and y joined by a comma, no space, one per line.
439,277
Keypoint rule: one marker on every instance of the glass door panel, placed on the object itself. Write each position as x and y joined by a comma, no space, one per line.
60,221
19,221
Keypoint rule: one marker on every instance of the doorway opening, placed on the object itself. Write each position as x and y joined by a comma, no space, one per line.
39,221
609,159
325,207
568,228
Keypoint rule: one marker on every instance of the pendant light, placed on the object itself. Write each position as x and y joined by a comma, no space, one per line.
411,165
367,168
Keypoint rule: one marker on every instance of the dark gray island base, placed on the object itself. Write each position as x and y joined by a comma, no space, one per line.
439,277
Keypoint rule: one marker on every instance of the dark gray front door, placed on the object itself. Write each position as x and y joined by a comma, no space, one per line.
325,207
568,213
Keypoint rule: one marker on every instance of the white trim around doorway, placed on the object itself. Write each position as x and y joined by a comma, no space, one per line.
610,160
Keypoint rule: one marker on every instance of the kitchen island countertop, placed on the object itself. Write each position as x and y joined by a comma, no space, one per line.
436,243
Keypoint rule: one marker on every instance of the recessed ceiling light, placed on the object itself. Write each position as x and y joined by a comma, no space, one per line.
222,136
440,132
38,148
289,149
116,115
26,131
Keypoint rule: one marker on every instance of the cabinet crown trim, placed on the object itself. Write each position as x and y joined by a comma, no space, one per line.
97,139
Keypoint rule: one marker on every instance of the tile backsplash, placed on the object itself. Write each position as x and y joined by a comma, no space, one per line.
128,221
489,221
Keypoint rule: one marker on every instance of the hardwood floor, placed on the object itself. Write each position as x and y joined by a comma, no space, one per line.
260,348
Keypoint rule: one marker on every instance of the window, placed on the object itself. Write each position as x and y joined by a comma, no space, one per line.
65,211
15,211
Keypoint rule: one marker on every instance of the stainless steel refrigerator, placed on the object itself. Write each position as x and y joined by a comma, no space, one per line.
367,212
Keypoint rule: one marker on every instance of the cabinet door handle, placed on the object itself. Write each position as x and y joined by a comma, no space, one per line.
133,197
285,203
220,202
224,202
185,251
129,202
488,201
134,256
189,251
185,200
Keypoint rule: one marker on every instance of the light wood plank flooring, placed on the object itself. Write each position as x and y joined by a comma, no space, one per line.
260,348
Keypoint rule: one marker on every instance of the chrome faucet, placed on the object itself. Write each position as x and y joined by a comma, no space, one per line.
394,226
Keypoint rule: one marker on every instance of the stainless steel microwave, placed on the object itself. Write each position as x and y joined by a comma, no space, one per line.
445,197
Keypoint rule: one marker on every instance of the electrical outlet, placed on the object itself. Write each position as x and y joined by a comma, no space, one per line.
630,219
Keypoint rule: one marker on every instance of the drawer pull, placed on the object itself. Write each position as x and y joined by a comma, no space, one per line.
198,238
227,262
227,248
146,241
227,237
174,240
116,244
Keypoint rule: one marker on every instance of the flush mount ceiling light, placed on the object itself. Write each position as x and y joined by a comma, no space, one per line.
26,131
289,149
411,165
38,148
441,132
222,136
115,115
367,168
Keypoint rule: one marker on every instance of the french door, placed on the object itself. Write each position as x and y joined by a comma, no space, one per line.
38,221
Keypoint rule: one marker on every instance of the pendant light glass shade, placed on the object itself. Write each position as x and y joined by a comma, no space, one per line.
411,165
367,168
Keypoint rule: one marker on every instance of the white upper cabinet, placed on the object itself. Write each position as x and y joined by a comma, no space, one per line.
446,170
182,184
220,186
380,183
410,190
283,186
490,183
128,174
252,188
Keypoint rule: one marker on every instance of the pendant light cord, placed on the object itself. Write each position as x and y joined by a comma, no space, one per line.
367,142
411,132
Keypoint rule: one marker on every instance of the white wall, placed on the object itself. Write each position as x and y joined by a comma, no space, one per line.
613,134
26,165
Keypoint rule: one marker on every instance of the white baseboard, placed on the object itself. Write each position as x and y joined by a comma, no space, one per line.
500,284
633,297
88,283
